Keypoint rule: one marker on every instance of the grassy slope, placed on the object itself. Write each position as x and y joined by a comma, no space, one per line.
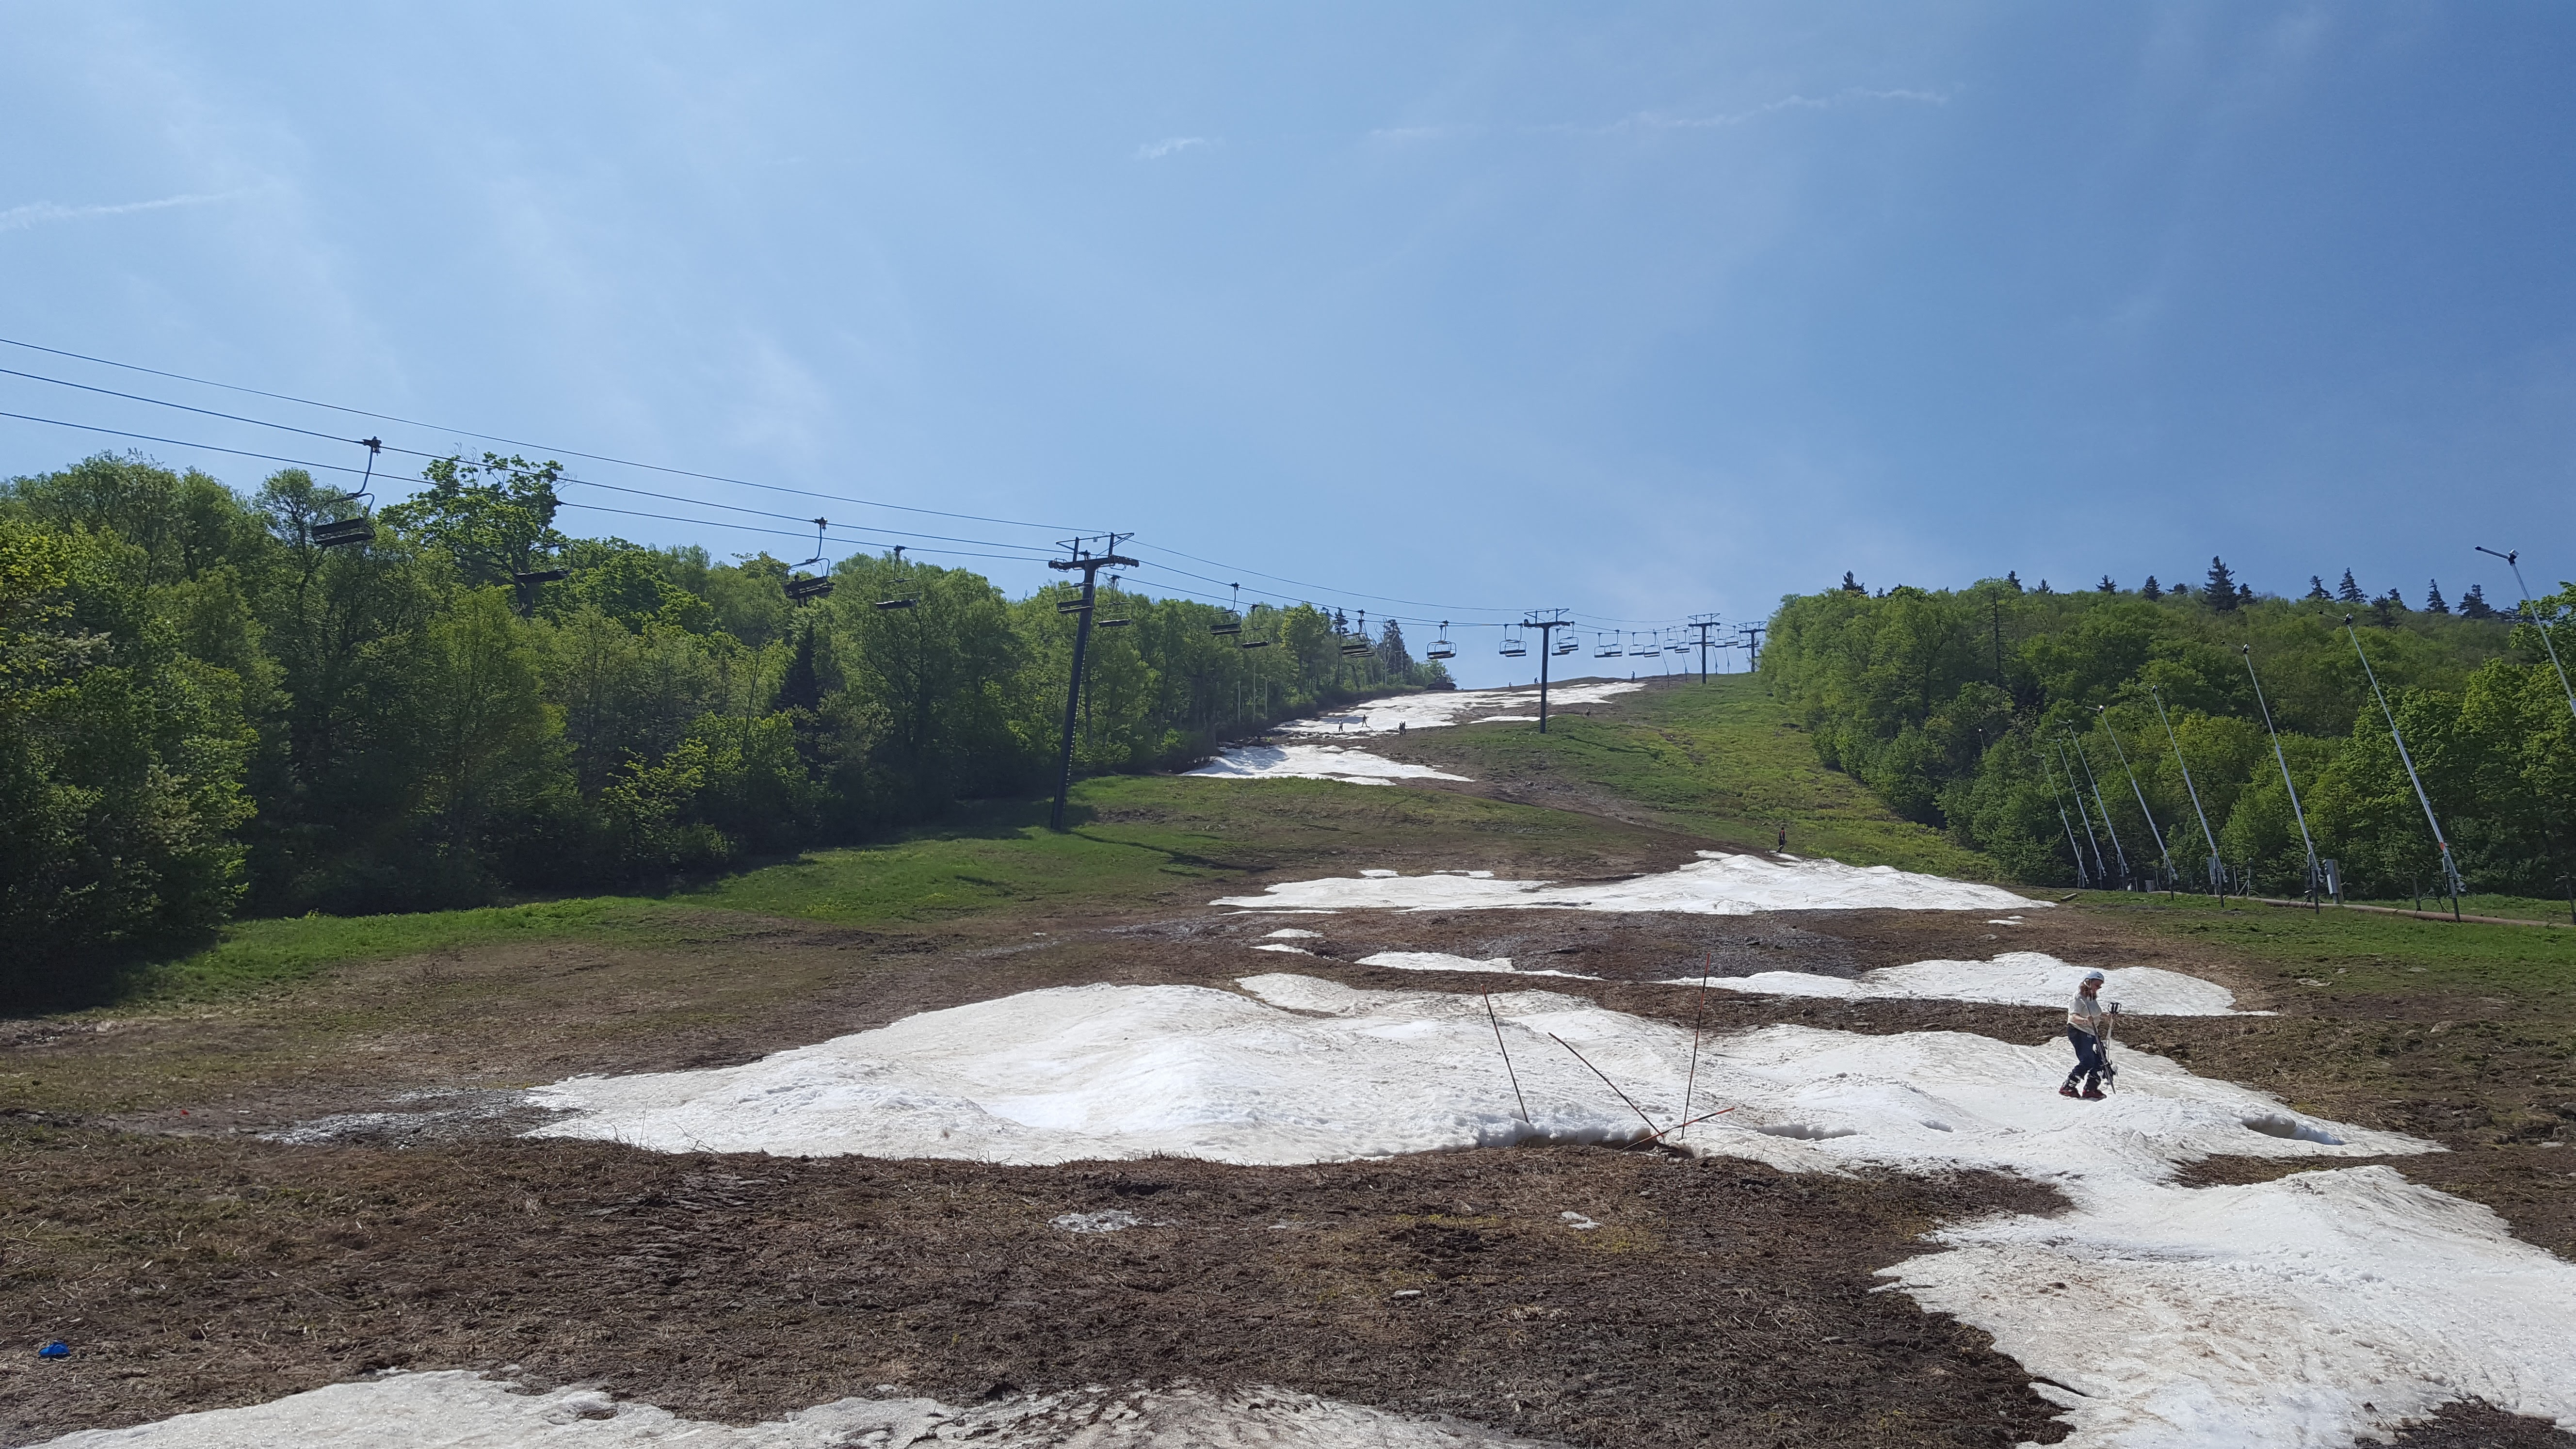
1136,842
2364,952
1724,761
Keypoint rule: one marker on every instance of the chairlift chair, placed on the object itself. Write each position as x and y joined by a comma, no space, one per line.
805,590
1441,648
541,576
1603,649
1111,623
897,603
358,531
1513,648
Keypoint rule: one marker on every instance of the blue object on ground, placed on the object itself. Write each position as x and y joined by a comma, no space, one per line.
55,1349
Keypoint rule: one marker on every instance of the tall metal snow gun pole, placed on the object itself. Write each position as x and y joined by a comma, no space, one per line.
2450,869
1091,564
1546,650
2108,828
2315,881
2153,830
2049,773
2074,786
2512,561
2212,840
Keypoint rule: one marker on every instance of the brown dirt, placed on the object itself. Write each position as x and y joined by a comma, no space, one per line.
145,1222
1717,1302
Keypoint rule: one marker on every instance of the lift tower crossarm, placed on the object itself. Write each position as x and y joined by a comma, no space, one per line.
1091,564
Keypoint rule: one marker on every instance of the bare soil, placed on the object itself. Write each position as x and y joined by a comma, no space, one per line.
1716,1302
193,1264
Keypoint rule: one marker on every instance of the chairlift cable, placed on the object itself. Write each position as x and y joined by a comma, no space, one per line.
506,442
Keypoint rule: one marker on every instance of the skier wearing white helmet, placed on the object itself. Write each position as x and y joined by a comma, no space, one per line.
2087,1023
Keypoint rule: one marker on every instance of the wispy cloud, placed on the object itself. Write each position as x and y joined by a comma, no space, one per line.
1651,121
37,213
1665,121
1171,146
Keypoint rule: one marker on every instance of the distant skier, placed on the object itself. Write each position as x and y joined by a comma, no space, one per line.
2085,1023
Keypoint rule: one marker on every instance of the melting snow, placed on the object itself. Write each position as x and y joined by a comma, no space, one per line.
1436,709
1314,762
457,1409
1715,885
2260,1314
2019,978
1442,961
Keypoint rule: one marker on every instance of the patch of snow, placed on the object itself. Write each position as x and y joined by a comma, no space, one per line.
2265,1314
459,1409
1715,885
1112,1220
2259,1314
1314,762
1438,709
1576,1221
1442,961
1291,932
1284,946
2017,978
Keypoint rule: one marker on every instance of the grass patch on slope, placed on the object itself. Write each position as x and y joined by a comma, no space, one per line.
1136,841
1159,840
1722,760
2362,952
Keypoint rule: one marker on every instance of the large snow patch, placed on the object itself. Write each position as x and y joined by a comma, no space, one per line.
1435,709
455,1409
1713,885
1314,762
2017,978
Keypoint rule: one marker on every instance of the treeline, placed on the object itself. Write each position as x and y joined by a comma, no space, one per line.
1972,708
203,712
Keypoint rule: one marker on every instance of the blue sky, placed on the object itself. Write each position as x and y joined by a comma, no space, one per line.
1636,310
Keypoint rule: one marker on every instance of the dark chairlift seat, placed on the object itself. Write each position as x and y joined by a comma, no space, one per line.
897,603
1441,648
801,591
345,533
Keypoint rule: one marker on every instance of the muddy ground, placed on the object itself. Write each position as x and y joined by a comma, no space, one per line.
194,1263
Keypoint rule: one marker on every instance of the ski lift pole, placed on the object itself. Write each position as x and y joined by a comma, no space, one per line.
1546,649
2214,878
2296,809
2450,870
1091,565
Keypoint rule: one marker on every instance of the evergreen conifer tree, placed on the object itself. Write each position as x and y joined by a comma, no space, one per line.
2317,587
2153,590
1852,585
2106,586
2473,604
2348,591
2433,598
2222,585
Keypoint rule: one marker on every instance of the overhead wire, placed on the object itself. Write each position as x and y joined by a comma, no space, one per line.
565,503
1029,551
516,443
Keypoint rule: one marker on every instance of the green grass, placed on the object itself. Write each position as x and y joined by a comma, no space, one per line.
255,954
1140,841
2363,952
1724,761
2525,908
